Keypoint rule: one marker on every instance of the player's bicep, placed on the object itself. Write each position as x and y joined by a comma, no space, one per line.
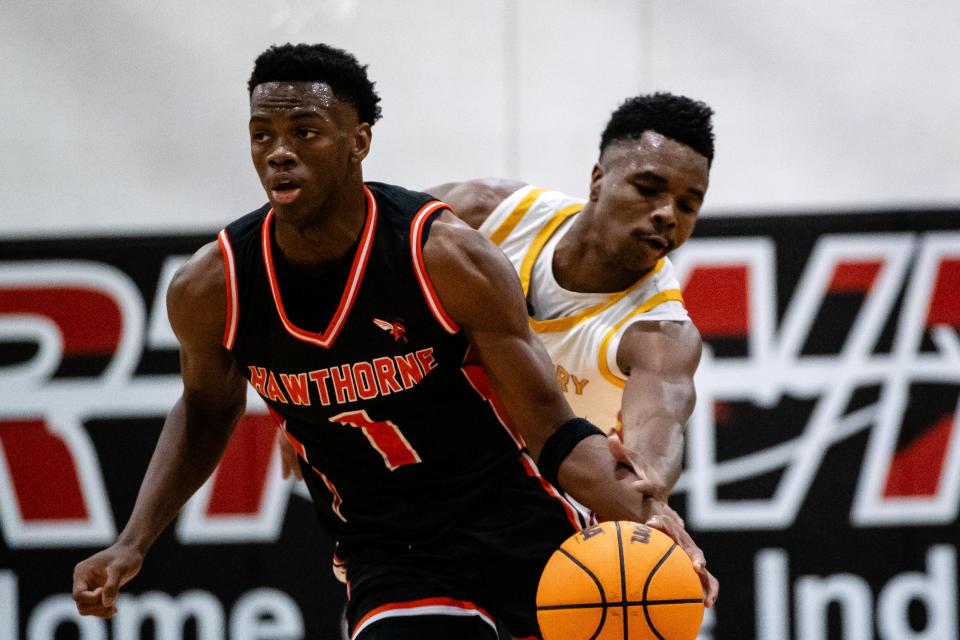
660,359
480,290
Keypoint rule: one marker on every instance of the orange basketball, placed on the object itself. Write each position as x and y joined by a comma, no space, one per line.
619,581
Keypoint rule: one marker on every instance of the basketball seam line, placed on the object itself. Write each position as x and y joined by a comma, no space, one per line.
623,582
646,588
603,595
628,603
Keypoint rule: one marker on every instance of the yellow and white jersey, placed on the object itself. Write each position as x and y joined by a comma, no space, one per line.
581,331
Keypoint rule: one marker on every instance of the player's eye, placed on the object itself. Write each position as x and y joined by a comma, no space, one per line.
259,136
686,206
647,191
305,134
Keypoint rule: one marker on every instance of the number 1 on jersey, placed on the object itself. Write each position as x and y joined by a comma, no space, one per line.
384,436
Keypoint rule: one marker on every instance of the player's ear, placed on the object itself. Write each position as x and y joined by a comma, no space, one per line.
362,137
595,177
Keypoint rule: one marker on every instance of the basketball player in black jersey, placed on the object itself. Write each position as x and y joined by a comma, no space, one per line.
390,341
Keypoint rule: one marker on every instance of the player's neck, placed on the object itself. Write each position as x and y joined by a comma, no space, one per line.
330,234
581,264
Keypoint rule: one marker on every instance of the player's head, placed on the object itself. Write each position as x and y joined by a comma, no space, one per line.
311,112
649,183
679,118
319,63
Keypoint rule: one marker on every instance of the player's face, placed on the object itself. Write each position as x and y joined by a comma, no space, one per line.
647,193
305,144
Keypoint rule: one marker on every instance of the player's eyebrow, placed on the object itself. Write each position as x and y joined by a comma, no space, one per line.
651,175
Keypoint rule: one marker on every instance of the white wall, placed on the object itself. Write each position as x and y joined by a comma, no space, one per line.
125,116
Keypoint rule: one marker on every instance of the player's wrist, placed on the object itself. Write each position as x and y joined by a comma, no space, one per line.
561,443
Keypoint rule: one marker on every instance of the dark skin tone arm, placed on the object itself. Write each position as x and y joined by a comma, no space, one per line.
474,200
194,435
480,290
660,359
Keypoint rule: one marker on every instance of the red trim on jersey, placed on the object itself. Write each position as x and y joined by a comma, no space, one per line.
357,270
296,444
477,376
416,249
425,606
230,274
337,500
532,471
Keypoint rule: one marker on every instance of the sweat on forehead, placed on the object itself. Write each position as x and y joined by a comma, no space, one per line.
650,145
316,91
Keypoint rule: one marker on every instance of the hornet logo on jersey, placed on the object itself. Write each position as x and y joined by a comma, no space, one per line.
395,328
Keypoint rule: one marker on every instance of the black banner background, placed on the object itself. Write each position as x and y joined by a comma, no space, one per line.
821,542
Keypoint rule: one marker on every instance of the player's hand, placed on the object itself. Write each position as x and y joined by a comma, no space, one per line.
288,458
98,579
649,481
666,520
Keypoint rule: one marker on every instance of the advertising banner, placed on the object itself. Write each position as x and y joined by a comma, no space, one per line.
822,466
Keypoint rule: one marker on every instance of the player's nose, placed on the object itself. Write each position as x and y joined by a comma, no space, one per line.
664,214
281,156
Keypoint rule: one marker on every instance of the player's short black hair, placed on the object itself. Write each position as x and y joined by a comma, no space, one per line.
679,118
319,63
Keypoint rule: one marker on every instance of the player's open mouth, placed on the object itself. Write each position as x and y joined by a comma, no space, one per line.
284,191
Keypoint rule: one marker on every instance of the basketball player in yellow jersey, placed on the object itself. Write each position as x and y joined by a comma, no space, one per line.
602,293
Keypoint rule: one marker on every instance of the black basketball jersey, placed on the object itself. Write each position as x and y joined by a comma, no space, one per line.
398,437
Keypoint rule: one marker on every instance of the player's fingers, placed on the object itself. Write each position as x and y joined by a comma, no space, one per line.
621,455
665,508
711,589
111,587
670,527
644,486
87,597
97,610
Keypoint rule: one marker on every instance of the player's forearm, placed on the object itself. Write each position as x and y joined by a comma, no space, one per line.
191,443
656,446
592,476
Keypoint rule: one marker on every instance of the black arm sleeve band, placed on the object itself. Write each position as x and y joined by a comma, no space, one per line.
559,445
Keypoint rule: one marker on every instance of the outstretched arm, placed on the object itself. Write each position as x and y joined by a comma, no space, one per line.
660,358
194,435
480,290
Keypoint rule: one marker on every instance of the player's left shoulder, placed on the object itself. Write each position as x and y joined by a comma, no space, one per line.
453,246
470,274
